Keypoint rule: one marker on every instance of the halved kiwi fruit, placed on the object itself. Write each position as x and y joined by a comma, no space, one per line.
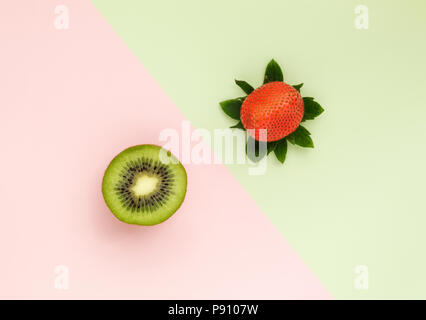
144,185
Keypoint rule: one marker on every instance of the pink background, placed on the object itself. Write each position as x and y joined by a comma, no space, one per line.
71,100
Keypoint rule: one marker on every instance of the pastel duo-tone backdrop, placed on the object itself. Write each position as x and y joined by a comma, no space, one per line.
125,70
71,100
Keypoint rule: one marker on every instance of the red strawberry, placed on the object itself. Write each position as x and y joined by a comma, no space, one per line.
276,107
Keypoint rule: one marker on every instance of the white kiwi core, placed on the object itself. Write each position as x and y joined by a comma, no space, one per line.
145,185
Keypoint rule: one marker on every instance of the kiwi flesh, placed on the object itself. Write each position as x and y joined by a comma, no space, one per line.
139,187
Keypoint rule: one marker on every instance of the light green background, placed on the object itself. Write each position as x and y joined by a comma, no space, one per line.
359,196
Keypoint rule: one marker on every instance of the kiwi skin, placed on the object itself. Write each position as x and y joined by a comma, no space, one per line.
159,213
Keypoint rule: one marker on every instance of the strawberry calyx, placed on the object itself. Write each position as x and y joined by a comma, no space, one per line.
298,135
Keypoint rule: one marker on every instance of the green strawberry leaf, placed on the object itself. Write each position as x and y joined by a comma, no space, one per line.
281,150
304,131
239,125
257,156
312,109
298,87
271,146
232,107
301,137
245,86
273,72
